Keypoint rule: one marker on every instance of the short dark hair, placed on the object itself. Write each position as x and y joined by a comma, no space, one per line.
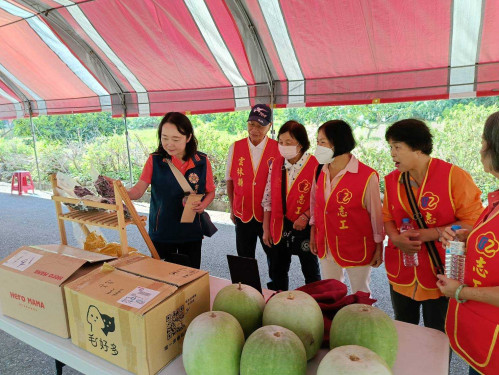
413,132
297,131
491,138
184,127
339,134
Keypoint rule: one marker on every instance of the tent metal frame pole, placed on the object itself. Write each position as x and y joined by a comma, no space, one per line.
34,140
261,54
272,130
130,184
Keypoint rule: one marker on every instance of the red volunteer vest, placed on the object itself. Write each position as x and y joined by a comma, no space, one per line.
343,221
297,198
435,204
473,327
248,186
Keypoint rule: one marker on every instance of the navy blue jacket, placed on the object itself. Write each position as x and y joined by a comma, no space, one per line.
166,201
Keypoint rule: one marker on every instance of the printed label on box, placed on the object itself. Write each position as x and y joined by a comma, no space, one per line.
138,297
22,260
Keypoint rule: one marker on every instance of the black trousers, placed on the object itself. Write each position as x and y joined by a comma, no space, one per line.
280,261
246,236
472,371
407,310
185,253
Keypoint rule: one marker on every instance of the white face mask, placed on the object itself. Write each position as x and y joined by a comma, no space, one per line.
324,155
288,152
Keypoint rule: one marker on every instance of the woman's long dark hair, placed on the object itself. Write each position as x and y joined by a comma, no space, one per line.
491,137
184,127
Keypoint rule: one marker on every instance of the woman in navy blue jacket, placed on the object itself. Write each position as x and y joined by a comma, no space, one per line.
175,241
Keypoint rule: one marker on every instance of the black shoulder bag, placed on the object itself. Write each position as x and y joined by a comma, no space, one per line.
430,245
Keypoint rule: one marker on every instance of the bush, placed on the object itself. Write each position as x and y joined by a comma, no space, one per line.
458,141
15,154
216,143
457,135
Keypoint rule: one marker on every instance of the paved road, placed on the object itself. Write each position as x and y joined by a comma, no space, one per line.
30,220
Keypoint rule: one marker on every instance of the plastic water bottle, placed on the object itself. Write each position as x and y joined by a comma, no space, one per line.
410,260
455,258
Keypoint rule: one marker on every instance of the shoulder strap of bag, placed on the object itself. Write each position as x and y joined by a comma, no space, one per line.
283,189
180,178
318,172
432,249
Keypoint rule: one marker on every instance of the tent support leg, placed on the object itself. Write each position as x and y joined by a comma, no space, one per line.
272,130
34,143
130,184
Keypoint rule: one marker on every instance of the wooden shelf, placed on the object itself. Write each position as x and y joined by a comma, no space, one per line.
112,218
105,220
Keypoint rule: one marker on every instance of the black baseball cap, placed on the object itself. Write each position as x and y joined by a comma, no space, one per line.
261,113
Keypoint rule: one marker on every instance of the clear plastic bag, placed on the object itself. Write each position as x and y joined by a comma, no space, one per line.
82,231
66,185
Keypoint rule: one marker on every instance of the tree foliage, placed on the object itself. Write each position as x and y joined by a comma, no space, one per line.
74,144
78,127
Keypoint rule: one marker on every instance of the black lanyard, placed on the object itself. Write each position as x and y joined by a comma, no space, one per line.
430,245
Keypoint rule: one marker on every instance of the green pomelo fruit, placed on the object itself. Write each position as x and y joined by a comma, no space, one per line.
273,350
367,326
244,303
353,360
300,313
213,344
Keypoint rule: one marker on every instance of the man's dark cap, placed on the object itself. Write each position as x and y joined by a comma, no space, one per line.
261,113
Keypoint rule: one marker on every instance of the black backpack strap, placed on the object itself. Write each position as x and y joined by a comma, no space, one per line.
318,172
432,249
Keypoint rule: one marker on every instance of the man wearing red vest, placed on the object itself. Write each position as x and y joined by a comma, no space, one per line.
246,175
445,195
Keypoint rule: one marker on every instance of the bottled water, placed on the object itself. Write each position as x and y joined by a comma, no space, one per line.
455,258
410,260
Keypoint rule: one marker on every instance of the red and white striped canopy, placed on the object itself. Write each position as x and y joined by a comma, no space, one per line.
148,57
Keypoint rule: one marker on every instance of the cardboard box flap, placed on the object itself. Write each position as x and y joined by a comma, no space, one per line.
123,290
42,265
74,252
170,273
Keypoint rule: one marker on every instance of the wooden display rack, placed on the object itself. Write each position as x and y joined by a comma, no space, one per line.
112,218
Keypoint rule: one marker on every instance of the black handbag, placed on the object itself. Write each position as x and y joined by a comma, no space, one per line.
207,226
298,241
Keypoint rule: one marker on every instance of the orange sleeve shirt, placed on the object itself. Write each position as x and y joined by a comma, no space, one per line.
466,198
182,166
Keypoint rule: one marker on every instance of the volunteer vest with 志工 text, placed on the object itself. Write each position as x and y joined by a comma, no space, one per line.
342,220
437,208
473,327
297,197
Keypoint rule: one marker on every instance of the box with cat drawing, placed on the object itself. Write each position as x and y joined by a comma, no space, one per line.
134,311
32,280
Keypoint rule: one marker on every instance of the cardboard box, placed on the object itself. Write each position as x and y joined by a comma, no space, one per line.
134,311
32,280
